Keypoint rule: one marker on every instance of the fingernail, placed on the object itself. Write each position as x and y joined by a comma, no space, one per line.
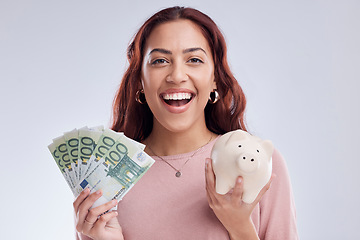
239,180
208,161
98,192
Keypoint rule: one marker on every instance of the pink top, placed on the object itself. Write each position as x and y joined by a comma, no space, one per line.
162,206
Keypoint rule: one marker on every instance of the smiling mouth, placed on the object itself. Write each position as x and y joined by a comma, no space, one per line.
177,99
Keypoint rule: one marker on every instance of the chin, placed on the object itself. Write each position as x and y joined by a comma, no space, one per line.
181,124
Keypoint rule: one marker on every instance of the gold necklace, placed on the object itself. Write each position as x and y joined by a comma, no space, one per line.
178,171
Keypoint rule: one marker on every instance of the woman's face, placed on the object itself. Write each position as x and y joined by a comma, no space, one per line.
177,75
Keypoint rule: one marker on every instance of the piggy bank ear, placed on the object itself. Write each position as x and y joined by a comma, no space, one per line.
268,147
237,135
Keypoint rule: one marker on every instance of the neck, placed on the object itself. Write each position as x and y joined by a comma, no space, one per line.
164,143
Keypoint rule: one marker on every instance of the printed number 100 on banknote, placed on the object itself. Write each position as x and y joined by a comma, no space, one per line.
117,171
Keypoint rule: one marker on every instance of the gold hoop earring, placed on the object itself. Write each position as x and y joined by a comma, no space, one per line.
140,96
214,97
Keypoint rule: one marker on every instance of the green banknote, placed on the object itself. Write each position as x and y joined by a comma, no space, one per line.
72,145
65,158
62,164
117,171
88,139
106,141
98,158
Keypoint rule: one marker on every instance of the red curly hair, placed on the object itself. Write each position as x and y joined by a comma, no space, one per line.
136,120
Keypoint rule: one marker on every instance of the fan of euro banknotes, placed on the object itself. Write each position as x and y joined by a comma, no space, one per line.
98,158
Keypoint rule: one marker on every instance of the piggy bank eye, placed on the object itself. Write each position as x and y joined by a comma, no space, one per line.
257,150
239,146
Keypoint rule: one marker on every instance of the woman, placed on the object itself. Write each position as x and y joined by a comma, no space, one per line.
177,96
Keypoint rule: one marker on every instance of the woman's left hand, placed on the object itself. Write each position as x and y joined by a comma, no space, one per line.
232,212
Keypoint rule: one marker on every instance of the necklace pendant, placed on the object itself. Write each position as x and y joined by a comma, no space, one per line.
178,174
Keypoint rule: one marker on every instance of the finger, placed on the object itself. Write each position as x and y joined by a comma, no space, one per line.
83,212
264,189
87,226
209,175
210,183
77,203
93,215
238,191
82,196
104,219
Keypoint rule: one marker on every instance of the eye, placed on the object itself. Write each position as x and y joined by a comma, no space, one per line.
159,61
195,60
257,150
239,146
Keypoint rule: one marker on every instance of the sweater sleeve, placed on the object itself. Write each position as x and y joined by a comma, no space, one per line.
277,207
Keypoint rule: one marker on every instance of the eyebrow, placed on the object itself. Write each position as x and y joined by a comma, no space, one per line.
165,51
193,50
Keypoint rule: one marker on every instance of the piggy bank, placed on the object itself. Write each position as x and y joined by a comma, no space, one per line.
237,153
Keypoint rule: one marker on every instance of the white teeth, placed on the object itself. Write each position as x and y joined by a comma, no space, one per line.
177,96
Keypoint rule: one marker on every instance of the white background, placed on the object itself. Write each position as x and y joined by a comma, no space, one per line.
298,62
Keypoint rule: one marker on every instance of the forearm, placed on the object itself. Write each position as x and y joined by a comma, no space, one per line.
244,232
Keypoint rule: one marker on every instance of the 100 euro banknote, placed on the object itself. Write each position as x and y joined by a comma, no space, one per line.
98,158
116,171
65,151
88,139
62,165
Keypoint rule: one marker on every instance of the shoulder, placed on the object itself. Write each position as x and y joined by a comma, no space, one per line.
278,212
281,181
280,191
278,161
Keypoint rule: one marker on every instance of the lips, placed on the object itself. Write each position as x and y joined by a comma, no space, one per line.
177,101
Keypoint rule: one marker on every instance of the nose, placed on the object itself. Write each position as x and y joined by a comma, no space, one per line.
247,162
177,74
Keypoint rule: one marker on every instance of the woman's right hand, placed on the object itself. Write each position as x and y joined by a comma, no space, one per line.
88,221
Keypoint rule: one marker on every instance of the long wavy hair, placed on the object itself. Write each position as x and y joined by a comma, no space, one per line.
136,120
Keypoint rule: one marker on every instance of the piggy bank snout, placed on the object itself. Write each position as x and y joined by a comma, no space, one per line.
248,162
